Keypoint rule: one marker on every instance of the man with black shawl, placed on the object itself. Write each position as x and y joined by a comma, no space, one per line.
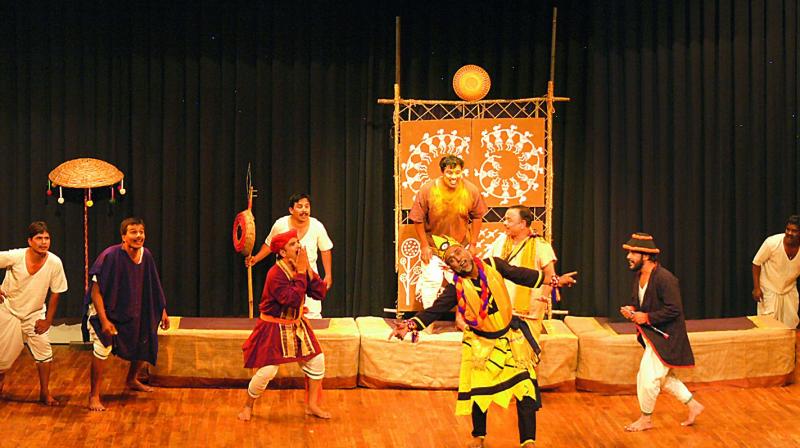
656,308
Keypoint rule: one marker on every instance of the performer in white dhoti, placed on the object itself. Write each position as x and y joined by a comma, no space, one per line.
776,267
24,317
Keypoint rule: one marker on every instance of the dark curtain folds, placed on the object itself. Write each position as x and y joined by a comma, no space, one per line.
683,123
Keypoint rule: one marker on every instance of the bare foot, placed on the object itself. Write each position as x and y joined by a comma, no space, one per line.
695,409
476,442
48,400
138,386
245,414
95,405
317,412
642,424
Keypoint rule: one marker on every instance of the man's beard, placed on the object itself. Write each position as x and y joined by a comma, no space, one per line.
636,266
464,271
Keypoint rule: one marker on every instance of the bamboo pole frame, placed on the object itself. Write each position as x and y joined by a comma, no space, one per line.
525,107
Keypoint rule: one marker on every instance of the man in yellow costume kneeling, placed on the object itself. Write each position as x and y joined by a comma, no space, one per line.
499,350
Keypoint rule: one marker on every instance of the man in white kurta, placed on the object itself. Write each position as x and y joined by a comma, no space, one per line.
776,267
313,237
24,317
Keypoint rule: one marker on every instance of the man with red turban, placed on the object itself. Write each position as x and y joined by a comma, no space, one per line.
282,334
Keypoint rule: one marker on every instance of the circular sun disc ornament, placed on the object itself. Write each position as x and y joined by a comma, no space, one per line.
471,83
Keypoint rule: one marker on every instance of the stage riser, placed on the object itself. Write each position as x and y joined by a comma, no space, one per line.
576,353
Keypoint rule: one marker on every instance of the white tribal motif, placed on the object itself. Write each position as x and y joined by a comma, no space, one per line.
430,150
486,238
504,148
411,266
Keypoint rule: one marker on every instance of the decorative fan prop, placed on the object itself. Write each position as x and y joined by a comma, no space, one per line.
85,174
244,236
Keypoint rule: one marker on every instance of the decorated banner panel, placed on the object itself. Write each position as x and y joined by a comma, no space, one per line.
422,145
410,265
504,157
507,158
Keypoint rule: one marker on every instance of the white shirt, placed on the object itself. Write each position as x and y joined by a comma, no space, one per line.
778,273
642,290
316,237
25,293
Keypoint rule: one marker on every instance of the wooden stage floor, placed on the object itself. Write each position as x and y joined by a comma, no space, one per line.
366,417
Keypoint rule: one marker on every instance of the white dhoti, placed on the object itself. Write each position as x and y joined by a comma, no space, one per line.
16,332
652,377
782,307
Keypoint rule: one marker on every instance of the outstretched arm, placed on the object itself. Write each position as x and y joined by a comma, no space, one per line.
443,304
262,253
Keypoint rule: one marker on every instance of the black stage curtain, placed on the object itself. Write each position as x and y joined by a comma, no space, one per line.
683,123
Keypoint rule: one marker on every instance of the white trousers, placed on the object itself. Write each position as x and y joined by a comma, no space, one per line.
15,332
314,369
782,307
652,377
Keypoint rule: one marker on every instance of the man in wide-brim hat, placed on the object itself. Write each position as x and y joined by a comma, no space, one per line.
656,308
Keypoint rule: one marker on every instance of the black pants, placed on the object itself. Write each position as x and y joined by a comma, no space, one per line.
526,419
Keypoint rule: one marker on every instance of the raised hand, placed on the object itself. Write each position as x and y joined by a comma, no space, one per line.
301,262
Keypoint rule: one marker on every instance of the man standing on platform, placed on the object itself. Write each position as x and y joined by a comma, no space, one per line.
520,246
776,267
448,205
312,236
499,352
657,310
283,335
124,305
24,317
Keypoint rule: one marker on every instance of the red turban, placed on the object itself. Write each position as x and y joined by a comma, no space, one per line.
279,241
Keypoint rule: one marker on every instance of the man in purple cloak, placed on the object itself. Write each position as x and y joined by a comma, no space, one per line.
124,305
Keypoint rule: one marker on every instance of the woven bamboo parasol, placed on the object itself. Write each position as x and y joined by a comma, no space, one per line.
85,173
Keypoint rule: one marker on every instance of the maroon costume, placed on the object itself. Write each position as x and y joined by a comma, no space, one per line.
282,335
